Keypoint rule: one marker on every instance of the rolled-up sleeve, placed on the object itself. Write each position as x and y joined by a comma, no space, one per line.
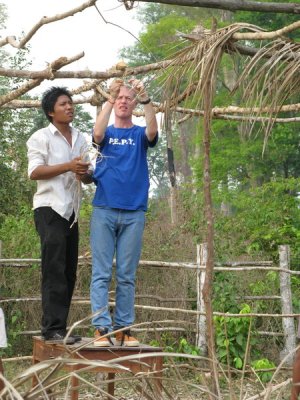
37,151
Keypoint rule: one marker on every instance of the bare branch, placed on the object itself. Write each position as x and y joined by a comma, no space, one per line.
266,35
241,110
234,5
85,74
226,113
57,64
114,73
9,40
223,35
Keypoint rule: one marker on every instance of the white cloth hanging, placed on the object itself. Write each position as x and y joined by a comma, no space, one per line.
3,338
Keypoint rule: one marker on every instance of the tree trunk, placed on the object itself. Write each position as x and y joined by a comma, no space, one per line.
171,167
184,136
207,289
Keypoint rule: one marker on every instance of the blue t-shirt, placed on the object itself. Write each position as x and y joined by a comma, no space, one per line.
121,172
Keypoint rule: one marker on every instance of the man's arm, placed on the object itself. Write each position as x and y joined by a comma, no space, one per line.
76,165
150,116
38,167
102,121
104,115
151,122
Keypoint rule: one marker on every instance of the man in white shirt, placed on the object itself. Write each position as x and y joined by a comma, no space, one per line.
56,157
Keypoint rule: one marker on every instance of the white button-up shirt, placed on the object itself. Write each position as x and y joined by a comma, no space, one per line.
48,146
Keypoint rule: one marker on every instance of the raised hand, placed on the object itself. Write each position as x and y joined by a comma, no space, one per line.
114,89
139,88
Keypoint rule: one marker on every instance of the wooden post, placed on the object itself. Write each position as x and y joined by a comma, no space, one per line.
201,319
0,248
286,305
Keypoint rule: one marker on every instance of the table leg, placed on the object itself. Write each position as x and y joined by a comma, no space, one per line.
74,388
111,385
34,378
158,367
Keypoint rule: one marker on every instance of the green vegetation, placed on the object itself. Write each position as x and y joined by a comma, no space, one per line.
234,337
263,364
171,345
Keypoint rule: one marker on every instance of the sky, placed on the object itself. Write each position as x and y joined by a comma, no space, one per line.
85,31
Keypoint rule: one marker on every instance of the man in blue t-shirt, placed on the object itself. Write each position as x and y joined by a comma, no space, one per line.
119,206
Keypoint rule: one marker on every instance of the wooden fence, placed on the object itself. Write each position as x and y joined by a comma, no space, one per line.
285,295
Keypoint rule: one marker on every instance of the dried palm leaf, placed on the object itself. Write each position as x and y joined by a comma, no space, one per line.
273,77
197,64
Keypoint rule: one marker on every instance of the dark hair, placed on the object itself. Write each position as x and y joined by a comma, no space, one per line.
50,98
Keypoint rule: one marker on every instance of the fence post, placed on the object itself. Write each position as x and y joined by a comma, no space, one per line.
201,318
286,305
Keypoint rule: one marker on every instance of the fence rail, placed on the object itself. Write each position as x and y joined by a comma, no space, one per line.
285,297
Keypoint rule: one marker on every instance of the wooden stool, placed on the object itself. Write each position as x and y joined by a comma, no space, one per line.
149,362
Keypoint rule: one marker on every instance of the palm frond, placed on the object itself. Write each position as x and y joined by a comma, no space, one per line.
272,77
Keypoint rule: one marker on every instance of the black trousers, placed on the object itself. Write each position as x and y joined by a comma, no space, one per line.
59,253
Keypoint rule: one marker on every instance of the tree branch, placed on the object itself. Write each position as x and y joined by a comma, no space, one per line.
266,35
234,5
59,63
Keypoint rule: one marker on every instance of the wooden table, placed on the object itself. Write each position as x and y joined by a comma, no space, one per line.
147,359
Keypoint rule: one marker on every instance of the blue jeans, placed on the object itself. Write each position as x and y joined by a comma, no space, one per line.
120,233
